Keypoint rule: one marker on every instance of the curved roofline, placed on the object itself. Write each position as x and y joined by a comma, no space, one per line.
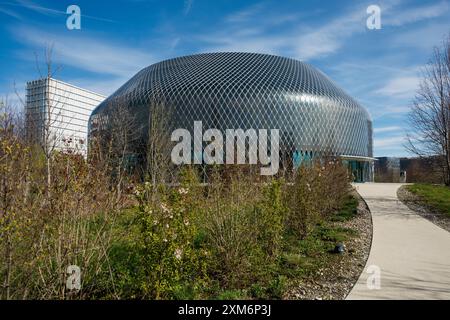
269,55
236,52
306,64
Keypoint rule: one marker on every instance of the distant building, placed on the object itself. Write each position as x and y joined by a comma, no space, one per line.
425,170
63,108
410,170
387,169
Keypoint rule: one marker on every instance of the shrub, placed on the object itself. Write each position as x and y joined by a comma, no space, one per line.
334,182
172,265
228,222
304,201
318,191
271,212
244,225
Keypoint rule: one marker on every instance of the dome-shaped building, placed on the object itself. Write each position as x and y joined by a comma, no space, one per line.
248,90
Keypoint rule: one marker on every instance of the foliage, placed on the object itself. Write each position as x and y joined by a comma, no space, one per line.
15,213
307,203
45,227
239,236
435,196
170,259
243,227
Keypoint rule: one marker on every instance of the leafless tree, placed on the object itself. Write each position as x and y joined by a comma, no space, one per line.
158,149
120,135
49,142
41,127
429,117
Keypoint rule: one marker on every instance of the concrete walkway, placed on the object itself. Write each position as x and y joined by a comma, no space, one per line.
412,254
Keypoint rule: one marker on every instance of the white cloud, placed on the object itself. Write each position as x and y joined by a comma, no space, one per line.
387,129
37,8
111,63
174,43
405,16
389,142
403,87
393,144
104,86
11,13
330,37
423,37
30,5
250,29
243,41
245,14
89,54
380,112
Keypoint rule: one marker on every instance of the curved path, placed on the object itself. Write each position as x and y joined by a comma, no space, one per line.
411,254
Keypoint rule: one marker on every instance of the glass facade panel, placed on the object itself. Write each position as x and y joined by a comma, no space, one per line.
230,90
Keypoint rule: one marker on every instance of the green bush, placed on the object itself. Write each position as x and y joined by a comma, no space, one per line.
318,191
435,196
277,287
228,223
172,265
304,201
244,225
271,212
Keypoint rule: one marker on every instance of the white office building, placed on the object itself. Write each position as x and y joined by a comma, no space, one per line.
58,113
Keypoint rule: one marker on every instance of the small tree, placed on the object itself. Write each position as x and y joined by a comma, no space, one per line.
158,148
429,117
121,141
41,127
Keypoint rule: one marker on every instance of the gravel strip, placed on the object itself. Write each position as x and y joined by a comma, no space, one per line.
335,281
416,204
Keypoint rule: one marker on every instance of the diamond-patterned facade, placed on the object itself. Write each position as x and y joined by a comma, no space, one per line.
248,90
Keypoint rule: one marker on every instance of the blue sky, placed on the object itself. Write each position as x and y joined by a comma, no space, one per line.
380,68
